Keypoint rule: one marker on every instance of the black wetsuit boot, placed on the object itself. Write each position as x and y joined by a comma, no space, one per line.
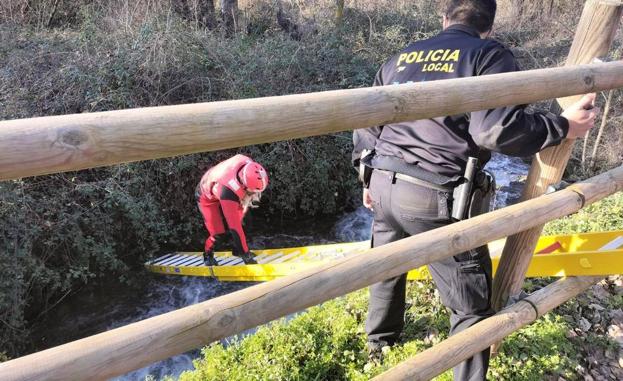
248,259
208,258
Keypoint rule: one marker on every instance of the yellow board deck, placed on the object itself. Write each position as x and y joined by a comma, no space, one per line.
566,255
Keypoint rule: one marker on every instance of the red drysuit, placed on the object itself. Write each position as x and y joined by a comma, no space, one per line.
219,196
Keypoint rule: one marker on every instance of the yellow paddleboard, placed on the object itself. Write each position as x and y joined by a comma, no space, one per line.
558,255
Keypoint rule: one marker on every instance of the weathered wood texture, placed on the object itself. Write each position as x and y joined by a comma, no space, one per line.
598,24
63,143
131,347
452,351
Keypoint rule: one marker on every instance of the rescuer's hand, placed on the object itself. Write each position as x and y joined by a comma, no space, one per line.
581,116
367,199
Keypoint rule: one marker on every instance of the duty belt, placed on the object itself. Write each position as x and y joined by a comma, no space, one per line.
412,171
416,181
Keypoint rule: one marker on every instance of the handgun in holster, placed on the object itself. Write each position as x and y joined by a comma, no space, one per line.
483,194
365,171
474,195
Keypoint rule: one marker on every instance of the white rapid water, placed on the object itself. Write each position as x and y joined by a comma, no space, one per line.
165,297
510,174
171,294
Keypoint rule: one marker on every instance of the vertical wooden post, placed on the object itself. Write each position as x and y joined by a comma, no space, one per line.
594,35
206,14
339,12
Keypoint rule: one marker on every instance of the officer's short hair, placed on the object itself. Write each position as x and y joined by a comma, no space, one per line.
475,13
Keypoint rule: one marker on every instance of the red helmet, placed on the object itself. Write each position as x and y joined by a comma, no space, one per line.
254,177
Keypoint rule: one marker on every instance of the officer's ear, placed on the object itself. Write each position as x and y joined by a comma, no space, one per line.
445,23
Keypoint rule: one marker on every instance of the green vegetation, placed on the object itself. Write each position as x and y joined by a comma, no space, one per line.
601,216
328,343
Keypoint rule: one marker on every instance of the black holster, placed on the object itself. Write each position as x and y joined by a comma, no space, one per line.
365,170
483,194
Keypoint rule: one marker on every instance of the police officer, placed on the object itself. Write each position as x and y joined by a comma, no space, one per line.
417,165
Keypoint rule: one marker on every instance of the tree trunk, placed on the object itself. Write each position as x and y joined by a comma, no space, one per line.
288,25
339,12
181,7
550,8
229,13
518,9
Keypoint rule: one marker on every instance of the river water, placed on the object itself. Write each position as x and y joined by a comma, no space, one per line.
96,311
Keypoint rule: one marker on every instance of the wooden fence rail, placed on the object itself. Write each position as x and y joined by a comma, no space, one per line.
133,346
53,144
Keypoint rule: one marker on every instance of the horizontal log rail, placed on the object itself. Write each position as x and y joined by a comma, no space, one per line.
53,144
452,351
133,346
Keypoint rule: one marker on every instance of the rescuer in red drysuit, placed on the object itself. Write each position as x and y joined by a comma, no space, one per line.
224,194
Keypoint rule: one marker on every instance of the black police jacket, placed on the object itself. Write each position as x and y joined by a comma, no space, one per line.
442,145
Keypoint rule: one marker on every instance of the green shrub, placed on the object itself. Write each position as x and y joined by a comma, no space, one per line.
327,342
306,347
536,352
604,215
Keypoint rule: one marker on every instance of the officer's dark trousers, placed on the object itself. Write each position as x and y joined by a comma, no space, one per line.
402,209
